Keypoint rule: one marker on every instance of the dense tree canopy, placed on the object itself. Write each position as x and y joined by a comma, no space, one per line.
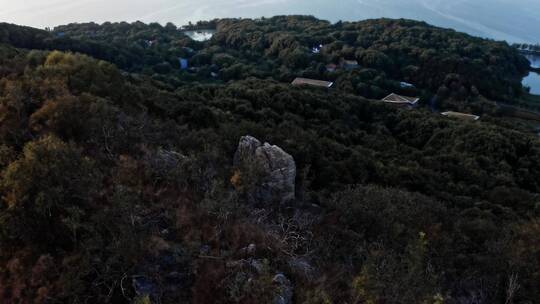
116,165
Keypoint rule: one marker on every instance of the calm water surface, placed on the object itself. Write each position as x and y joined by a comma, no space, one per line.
200,35
511,20
535,60
533,79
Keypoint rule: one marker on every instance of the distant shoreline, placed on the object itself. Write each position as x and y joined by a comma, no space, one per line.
529,52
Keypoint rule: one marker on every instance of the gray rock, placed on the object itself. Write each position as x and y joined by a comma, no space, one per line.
257,266
246,150
249,250
284,289
271,170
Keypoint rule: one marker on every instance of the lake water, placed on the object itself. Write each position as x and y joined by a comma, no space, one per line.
200,35
511,20
533,79
534,59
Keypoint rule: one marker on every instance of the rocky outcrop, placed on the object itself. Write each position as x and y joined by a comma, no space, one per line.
284,289
267,170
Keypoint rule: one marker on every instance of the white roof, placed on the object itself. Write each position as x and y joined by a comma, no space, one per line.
313,82
395,98
460,115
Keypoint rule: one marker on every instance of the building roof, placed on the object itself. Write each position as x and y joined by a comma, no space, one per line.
395,98
351,62
461,115
313,82
404,84
316,49
331,67
348,63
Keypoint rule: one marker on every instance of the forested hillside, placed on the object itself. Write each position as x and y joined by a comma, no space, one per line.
120,183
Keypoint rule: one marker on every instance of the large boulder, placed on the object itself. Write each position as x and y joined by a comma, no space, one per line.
266,172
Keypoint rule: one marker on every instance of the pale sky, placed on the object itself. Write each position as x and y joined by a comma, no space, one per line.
513,20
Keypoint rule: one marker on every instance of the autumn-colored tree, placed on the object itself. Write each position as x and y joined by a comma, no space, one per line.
47,194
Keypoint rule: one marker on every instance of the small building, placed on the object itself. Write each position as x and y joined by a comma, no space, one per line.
459,115
312,82
401,100
331,67
184,65
349,64
406,85
316,49
150,43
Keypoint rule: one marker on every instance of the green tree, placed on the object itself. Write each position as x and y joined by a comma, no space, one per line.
47,193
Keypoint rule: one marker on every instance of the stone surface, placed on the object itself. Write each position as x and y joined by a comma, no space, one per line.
248,250
246,150
284,289
272,170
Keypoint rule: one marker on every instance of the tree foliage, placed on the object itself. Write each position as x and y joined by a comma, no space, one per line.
116,166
